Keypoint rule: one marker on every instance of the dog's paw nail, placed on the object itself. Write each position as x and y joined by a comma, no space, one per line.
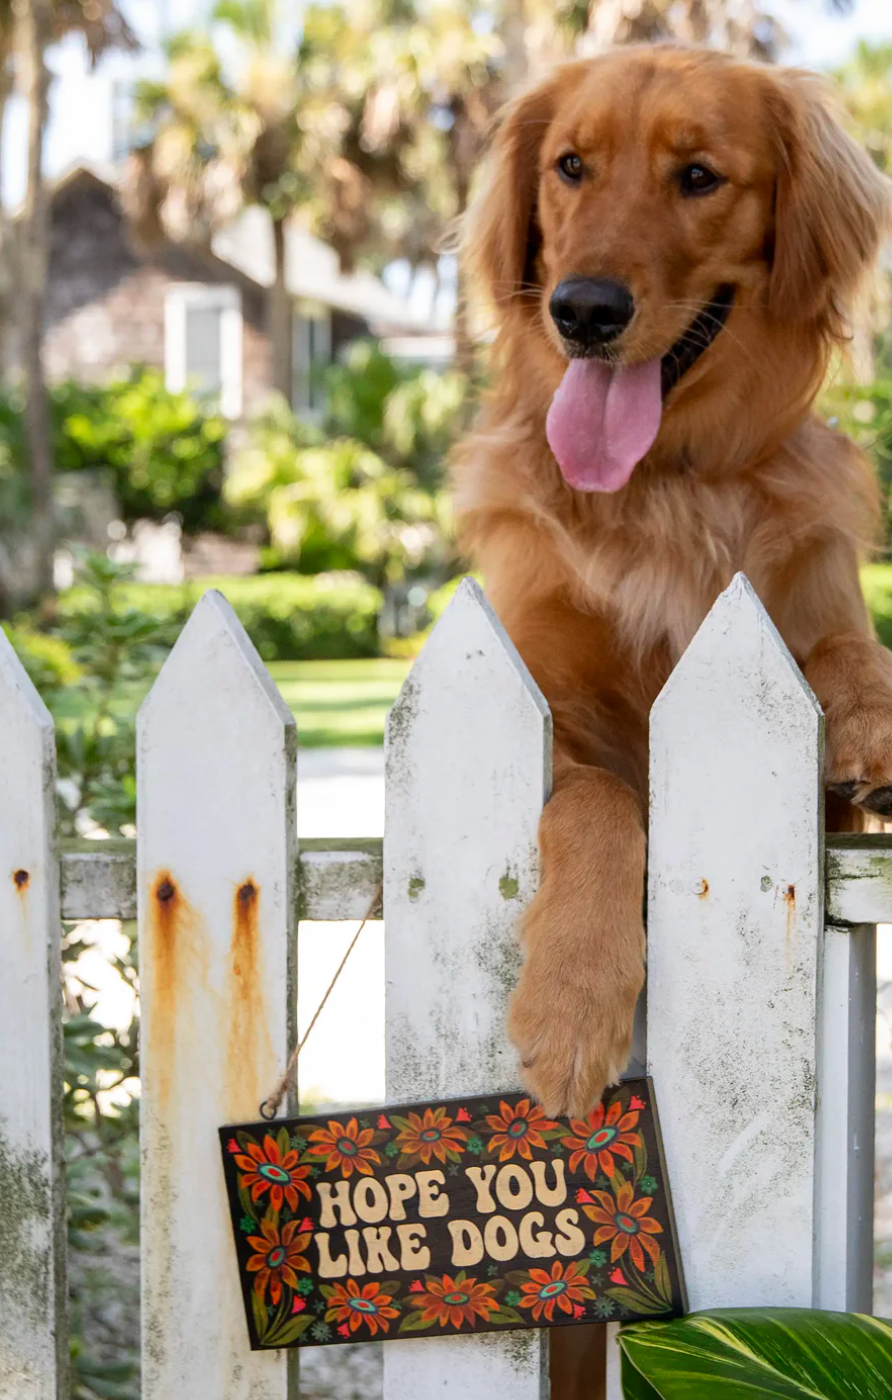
879,801
846,790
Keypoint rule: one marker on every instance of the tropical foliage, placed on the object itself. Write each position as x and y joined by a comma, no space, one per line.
365,493
746,1352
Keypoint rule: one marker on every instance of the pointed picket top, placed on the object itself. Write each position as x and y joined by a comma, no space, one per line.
33,1293
735,925
214,636
468,766
217,863
738,632
469,628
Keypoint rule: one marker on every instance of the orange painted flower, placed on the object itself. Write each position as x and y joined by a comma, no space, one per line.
353,1306
626,1222
560,1289
347,1148
273,1168
433,1135
455,1300
518,1130
600,1137
277,1258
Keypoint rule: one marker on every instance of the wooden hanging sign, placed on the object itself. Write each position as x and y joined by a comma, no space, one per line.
431,1219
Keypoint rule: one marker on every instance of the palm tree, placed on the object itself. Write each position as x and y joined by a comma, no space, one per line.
27,29
224,138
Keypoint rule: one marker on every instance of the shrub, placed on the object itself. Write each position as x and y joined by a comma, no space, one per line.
164,452
287,616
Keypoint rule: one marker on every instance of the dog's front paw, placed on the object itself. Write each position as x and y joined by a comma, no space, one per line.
573,1031
859,756
852,678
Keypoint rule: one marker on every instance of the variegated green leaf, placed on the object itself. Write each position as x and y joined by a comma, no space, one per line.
745,1354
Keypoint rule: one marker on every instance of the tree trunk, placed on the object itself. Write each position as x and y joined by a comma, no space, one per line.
35,21
281,318
7,276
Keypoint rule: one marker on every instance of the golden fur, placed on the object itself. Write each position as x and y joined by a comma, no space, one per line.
601,593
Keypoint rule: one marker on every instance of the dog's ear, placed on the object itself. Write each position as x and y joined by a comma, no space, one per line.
500,237
832,205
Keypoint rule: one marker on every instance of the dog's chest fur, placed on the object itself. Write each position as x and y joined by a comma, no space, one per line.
657,565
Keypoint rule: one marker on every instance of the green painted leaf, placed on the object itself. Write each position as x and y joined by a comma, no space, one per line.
640,1156
261,1321
414,1322
289,1332
637,1301
662,1281
507,1317
742,1354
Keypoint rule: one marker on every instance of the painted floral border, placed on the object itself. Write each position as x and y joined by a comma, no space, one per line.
628,1272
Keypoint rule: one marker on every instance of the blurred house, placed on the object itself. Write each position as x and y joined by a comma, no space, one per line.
200,314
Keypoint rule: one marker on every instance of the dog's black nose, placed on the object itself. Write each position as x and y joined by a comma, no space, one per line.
591,311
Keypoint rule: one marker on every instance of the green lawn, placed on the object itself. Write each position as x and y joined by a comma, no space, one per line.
339,702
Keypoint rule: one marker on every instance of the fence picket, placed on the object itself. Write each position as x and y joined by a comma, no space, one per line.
216,871
33,1311
735,913
468,769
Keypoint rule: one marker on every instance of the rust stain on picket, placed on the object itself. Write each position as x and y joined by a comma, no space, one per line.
21,879
249,1052
178,958
704,888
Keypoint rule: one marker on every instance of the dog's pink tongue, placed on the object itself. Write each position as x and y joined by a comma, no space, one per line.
603,420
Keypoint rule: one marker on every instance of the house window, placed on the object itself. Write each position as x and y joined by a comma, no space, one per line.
203,345
312,354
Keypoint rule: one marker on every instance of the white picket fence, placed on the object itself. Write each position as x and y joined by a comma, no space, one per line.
760,1010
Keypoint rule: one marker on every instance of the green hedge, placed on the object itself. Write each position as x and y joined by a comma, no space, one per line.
289,617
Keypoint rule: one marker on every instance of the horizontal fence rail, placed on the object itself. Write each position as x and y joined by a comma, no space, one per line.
338,878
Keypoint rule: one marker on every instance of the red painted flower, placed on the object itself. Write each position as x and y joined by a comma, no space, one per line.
626,1222
618,1276
352,1306
518,1130
432,1135
277,1257
273,1168
562,1288
456,1300
344,1147
602,1136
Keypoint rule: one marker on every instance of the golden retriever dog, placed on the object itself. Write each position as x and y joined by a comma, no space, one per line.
670,241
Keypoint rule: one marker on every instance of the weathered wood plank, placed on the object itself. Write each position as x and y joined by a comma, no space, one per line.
98,879
337,879
33,1292
859,879
468,769
216,786
845,1132
735,925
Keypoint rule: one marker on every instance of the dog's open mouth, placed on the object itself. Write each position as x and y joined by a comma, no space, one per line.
605,416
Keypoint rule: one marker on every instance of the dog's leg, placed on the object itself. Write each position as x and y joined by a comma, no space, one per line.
571,1016
852,677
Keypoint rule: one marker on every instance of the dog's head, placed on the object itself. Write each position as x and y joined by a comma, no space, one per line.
654,213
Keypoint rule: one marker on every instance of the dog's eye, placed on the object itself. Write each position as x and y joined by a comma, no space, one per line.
570,167
699,179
